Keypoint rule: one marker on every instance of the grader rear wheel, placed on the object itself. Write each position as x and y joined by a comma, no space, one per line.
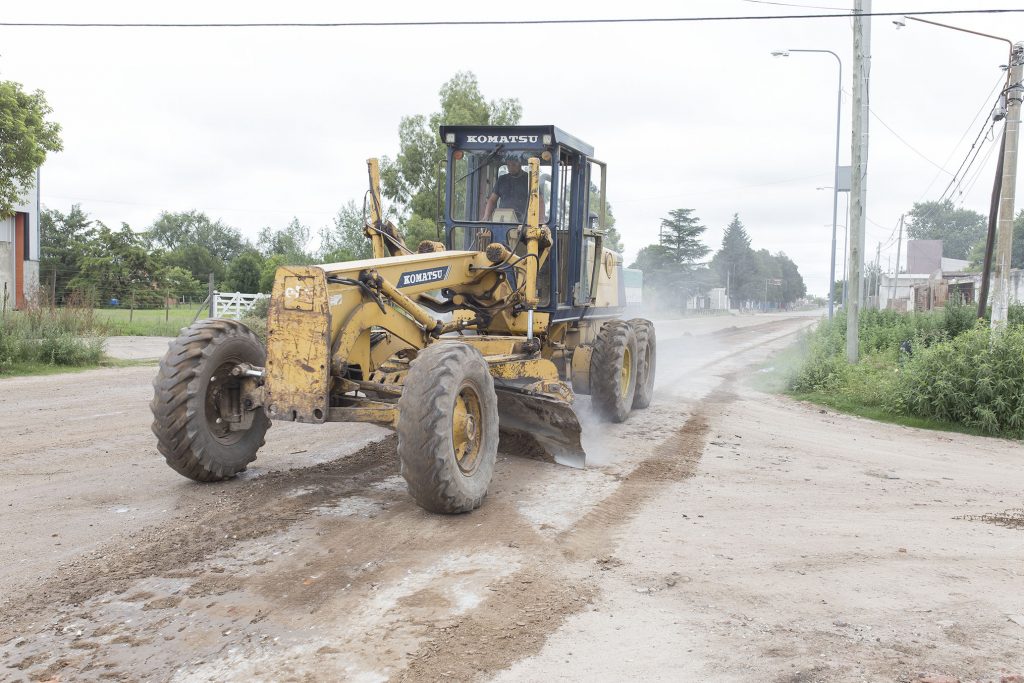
448,428
613,370
646,361
189,393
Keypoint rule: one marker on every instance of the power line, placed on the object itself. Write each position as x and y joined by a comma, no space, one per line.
970,126
790,4
981,167
909,146
968,160
489,22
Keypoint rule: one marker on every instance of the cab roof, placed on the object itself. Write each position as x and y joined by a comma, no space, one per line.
533,134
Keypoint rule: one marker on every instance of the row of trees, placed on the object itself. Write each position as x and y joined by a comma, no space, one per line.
174,257
674,269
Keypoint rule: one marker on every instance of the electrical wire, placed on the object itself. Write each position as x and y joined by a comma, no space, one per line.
970,126
790,4
491,22
967,158
977,174
908,145
988,138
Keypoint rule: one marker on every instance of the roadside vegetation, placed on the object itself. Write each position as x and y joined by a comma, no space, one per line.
942,369
42,338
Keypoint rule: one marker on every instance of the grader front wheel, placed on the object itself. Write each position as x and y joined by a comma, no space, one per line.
190,394
448,428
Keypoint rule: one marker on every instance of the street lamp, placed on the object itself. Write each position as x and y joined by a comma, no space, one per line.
835,182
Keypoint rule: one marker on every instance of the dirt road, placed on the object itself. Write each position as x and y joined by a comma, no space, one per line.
722,534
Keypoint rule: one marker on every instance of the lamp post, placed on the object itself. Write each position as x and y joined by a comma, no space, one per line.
835,181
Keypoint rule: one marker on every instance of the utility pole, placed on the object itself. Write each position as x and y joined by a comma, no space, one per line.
859,162
1004,239
877,272
846,247
899,245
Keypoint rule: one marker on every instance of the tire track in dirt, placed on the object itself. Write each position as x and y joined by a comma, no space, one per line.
238,511
528,606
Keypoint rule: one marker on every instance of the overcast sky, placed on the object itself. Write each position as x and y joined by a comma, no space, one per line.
255,126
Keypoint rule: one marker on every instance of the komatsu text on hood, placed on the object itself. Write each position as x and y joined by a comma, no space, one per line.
503,139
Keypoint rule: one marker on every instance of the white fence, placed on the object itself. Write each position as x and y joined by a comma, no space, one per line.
234,304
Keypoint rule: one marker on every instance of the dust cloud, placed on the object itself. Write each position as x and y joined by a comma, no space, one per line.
693,356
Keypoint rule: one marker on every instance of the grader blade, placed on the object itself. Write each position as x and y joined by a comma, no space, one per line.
547,423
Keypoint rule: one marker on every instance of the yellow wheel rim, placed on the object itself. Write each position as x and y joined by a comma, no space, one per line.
627,359
467,426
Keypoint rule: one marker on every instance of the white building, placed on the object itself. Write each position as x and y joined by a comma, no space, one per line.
19,251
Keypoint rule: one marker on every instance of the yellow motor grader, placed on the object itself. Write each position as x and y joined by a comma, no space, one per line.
495,329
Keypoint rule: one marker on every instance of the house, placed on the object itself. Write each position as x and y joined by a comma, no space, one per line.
19,251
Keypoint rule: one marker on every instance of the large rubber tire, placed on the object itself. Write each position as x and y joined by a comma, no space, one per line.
613,370
646,361
444,379
184,401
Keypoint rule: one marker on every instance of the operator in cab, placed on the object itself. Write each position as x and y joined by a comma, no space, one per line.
511,191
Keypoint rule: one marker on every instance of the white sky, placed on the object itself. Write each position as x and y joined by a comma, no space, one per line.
255,126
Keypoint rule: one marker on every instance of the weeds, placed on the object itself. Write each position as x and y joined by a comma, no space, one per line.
41,334
943,366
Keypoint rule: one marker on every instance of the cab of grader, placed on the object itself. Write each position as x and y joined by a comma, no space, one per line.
493,331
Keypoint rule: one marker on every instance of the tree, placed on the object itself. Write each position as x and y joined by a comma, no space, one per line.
119,265
653,259
612,238
977,255
289,242
411,179
173,230
243,273
175,282
195,242
345,239
669,270
959,229
793,286
62,241
735,264
269,270
681,233
199,261
25,139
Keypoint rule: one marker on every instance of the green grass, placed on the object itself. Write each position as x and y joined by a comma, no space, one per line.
852,406
29,369
149,322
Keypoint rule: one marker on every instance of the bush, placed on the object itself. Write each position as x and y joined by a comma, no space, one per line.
256,318
68,336
825,366
956,371
975,379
